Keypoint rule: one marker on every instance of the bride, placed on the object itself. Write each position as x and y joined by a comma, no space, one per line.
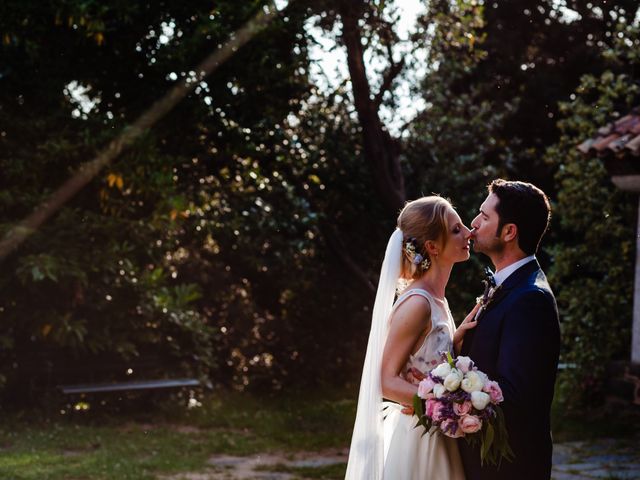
405,342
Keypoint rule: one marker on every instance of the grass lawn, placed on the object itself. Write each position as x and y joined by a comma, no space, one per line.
171,438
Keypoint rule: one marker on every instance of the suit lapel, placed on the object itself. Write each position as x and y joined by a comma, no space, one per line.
512,281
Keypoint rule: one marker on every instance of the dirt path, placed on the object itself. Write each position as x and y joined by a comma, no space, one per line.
598,459
273,466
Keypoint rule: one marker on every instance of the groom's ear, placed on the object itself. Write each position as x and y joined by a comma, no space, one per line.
509,232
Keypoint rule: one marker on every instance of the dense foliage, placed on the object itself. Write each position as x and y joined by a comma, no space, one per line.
593,267
133,267
239,239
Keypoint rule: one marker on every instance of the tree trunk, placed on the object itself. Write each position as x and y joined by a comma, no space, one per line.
381,151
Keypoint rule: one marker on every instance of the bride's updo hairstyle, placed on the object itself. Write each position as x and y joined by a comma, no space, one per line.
421,220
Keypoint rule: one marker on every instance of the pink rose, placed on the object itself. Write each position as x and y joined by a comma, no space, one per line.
494,391
451,429
434,410
462,409
470,424
425,387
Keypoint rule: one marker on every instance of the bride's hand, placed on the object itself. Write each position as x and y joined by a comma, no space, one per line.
407,410
414,376
467,324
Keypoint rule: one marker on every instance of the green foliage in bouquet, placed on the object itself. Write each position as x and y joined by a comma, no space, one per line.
492,440
423,420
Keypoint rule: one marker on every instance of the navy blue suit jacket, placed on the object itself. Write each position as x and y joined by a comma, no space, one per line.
517,343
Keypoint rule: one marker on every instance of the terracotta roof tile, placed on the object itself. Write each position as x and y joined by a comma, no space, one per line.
603,131
620,142
627,124
601,143
618,138
585,146
634,145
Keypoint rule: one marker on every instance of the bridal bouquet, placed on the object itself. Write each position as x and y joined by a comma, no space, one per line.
460,401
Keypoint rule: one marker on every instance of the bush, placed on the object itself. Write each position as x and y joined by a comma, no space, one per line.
594,256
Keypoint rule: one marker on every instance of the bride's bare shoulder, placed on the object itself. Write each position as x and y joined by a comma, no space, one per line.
415,308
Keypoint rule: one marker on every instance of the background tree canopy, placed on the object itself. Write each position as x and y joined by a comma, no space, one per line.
239,240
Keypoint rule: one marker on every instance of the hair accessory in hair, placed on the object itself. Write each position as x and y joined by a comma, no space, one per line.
425,264
417,259
410,247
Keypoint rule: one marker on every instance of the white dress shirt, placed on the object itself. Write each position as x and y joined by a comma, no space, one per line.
501,275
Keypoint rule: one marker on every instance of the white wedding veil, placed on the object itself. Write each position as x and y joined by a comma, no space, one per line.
366,455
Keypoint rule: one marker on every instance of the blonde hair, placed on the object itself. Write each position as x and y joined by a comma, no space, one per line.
423,219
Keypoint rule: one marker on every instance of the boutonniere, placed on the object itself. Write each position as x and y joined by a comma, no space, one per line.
487,297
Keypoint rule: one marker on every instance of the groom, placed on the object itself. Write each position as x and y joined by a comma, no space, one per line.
517,337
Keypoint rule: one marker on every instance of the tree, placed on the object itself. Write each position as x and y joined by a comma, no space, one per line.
380,149
594,281
536,53
363,25
454,147
108,278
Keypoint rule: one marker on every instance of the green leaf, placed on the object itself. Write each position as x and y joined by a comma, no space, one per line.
36,274
487,442
450,360
418,406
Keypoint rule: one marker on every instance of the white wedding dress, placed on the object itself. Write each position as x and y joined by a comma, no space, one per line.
408,454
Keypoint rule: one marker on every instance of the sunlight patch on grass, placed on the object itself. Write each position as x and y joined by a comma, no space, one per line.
172,439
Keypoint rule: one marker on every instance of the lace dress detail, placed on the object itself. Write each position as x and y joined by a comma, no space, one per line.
440,337
408,454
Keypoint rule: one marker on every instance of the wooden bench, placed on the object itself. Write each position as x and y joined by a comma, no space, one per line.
138,385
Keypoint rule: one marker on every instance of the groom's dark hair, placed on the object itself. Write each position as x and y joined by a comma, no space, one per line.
527,207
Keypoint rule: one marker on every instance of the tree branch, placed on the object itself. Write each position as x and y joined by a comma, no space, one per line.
334,241
380,150
389,76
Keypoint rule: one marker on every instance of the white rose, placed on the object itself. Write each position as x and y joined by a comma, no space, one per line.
439,390
472,382
483,376
452,381
464,364
442,370
480,400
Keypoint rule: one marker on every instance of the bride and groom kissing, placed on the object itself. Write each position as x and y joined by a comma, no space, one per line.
513,336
